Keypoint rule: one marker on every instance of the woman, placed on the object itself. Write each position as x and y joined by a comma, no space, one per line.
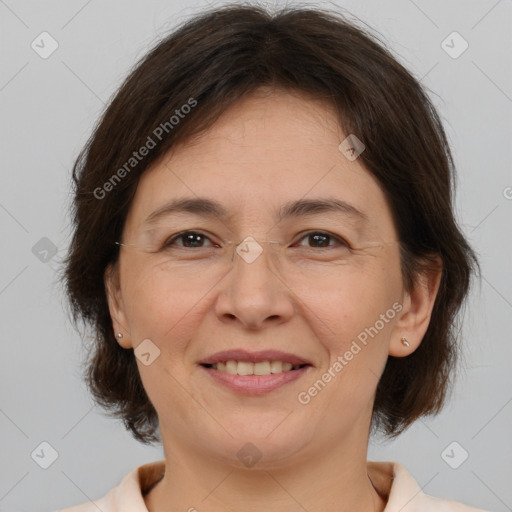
265,245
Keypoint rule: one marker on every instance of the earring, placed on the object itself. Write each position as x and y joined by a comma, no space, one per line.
119,335
405,342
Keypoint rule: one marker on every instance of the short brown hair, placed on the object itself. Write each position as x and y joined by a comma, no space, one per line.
214,60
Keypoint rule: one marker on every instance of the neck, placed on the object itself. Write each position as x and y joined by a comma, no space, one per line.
335,479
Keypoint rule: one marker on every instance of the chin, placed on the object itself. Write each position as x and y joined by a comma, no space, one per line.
260,444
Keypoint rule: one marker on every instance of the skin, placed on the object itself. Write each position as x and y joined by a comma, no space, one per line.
272,147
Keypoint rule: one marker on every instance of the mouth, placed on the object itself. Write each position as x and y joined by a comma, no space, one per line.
261,368
254,373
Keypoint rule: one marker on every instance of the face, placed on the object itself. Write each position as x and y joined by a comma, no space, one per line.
327,300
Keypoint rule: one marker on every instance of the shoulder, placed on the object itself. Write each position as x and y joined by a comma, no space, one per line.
127,496
405,495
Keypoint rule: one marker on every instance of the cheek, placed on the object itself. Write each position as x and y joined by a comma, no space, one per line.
157,309
361,312
362,319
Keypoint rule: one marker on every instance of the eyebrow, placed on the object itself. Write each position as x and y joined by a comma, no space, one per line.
293,209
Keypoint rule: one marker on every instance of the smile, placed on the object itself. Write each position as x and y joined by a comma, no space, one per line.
247,368
248,382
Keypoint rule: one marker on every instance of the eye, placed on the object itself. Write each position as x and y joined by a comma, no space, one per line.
190,239
321,239
196,240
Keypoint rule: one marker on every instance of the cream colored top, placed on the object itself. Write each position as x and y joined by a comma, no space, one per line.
391,480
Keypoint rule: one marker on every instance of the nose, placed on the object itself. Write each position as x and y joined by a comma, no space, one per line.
252,293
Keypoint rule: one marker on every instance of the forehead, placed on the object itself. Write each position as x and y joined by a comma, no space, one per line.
266,152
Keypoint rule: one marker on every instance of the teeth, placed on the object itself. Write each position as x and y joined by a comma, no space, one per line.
276,366
262,368
246,368
231,367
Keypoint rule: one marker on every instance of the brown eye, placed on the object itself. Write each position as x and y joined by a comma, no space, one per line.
190,240
321,239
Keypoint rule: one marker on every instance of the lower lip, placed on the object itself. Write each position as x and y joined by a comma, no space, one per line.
255,384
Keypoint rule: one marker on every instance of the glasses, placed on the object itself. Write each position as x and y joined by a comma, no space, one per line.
193,256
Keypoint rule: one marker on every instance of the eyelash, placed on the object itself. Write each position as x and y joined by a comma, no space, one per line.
169,242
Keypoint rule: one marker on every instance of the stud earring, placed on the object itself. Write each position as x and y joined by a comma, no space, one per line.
405,342
119,335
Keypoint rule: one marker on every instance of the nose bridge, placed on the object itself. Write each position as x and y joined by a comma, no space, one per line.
252,291
250,249
255,262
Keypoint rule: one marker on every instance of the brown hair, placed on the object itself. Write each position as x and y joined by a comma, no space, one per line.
209,63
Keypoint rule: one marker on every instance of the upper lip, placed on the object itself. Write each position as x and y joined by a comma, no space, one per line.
254,357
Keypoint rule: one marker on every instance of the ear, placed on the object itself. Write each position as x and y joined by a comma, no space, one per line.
417,308
116,305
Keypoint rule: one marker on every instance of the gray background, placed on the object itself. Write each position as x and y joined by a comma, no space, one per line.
48,108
